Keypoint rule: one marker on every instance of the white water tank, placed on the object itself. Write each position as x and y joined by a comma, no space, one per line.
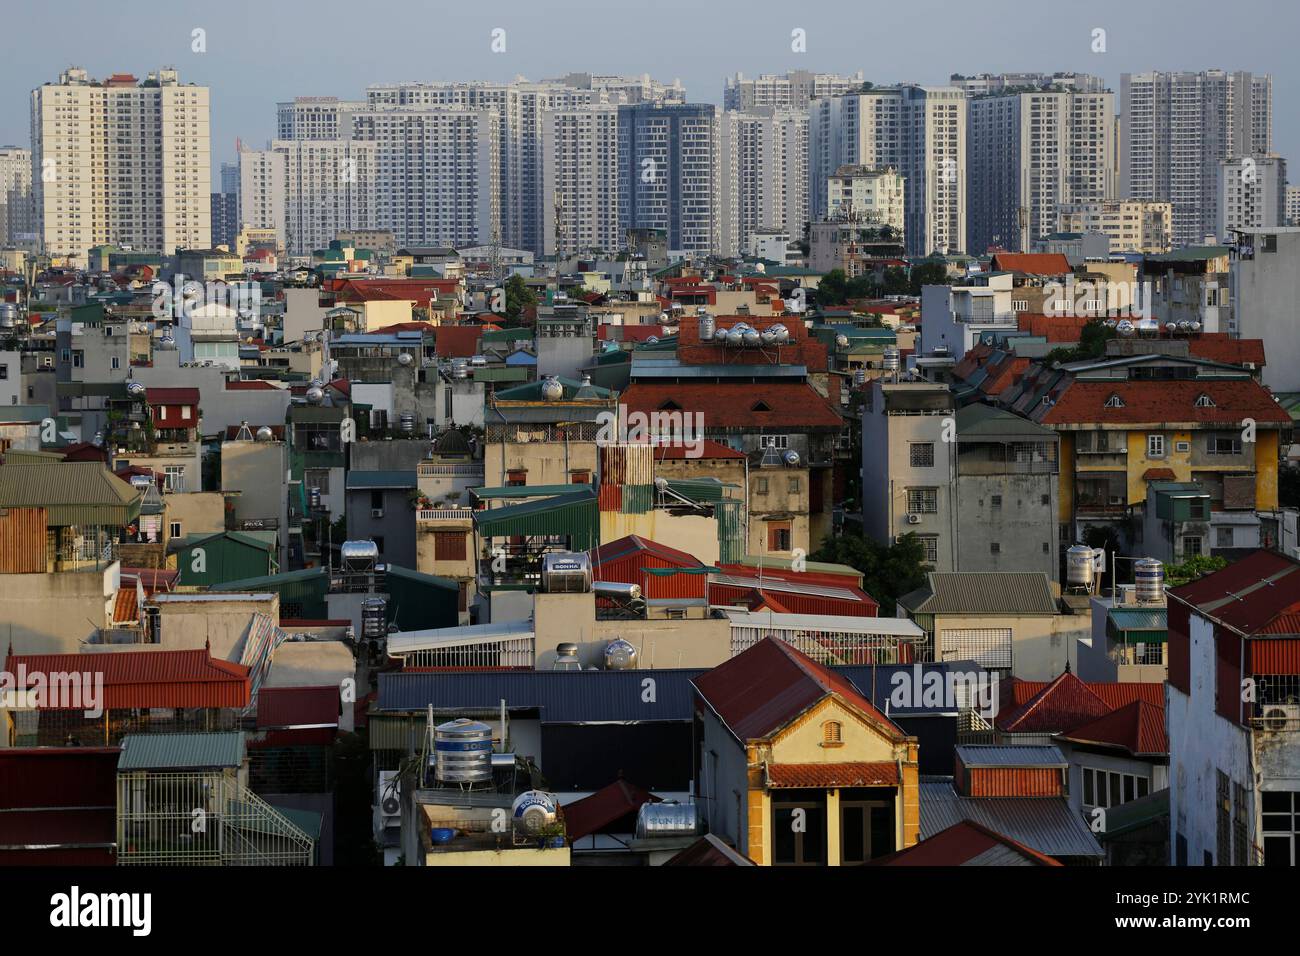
1079,563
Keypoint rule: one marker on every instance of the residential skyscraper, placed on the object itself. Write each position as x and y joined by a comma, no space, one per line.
1029,152
15,195
984,84
121,161
329,186
668,171
921,132
1252,194
315,117
579,158
795,89
225,219
1178,127
261,191
763,182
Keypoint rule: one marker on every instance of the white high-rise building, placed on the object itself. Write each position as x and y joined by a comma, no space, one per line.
329,187
579,158
15,196
984,84
874,197
1026,154
437,173
1252,194
262,191
1178,127
918,130
1130,225
763,182
625,89
121,161
1293,205
793,90
315,117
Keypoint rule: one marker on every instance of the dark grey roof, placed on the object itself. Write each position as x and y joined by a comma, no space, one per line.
977,755
982,592
984,422
1045,824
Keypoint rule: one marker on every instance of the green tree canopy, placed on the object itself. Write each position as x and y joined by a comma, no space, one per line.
888,571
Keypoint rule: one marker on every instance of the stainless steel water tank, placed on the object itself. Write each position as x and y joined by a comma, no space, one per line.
566,572
620,655
462,751
707,327
617,589
374,619
359,555
667,819
1079,563
534,810
889,359
1149,581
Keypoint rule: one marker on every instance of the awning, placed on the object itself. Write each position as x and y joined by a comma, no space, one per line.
571,515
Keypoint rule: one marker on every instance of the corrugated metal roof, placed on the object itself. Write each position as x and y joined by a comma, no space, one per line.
143,679
407,642
72,493
574,515
560,696
1138,618
1027,756
523,491
853,624
1045,824
181,751
983,592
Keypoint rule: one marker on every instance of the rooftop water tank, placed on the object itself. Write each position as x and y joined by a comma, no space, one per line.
617,589
889,359
265,433
782,333
8,315
534,810
359,555
315,394
1149,581
1079,563
566,572
736,337
751,337
841,340
859,377
135,389
791,458
707,327
667,819
721,335
552,390
462,751
620,655
374,618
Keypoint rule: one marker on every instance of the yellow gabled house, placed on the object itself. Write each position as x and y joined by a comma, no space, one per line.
797,767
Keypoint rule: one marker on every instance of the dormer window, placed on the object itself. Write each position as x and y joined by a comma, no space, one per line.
669,406
760,406
1204,401
1114,402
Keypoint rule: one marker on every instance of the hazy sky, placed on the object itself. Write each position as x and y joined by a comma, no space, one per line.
259,53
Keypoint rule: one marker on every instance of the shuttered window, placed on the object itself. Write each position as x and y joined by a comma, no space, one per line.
987,646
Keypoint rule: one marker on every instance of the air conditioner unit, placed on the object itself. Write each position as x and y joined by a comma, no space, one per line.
376,512
913,519
388,797
1282,716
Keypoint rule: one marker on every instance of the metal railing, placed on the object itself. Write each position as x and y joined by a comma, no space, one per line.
444,514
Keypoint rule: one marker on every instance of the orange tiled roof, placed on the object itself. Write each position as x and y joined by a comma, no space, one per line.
1165,402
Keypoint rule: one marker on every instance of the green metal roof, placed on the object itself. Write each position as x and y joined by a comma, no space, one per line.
181,751
982,592
1142,812
382,479
700,489
261,540
72,493
573,514
532,391
523,491
985,421
308,821
1137,625
270,581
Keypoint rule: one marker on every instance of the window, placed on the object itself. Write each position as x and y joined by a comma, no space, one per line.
832,734
922,500
1281,819
1223,537
376,501
4,372
805,844
774,441
516,478
996,501
449,545
1191,545
760,486
1222,445
162,413
793,486
175,478
995,547
930,543
1149,653
115,362
1155,446
580,478
1047,499
1110,788
922,454
174,530
778,536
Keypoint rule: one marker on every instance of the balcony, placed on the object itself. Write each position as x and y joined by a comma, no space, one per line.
444,514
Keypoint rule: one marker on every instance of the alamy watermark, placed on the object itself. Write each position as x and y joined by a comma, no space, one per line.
664,429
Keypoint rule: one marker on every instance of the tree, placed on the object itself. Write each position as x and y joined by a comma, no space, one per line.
888,572
518,296
1193,568
928,273
833,289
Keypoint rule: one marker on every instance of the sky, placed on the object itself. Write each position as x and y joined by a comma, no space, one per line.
264,52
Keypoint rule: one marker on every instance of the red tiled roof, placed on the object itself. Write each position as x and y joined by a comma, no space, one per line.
832,775
708,449
1055,328
172,396
605,807
140,679
738,405
298,706
958,846
1138,728
1114,694
1251,595
1220,347
154,579
457,341
708,850
759,691
125,606
1063,704
1165,402
1032,263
